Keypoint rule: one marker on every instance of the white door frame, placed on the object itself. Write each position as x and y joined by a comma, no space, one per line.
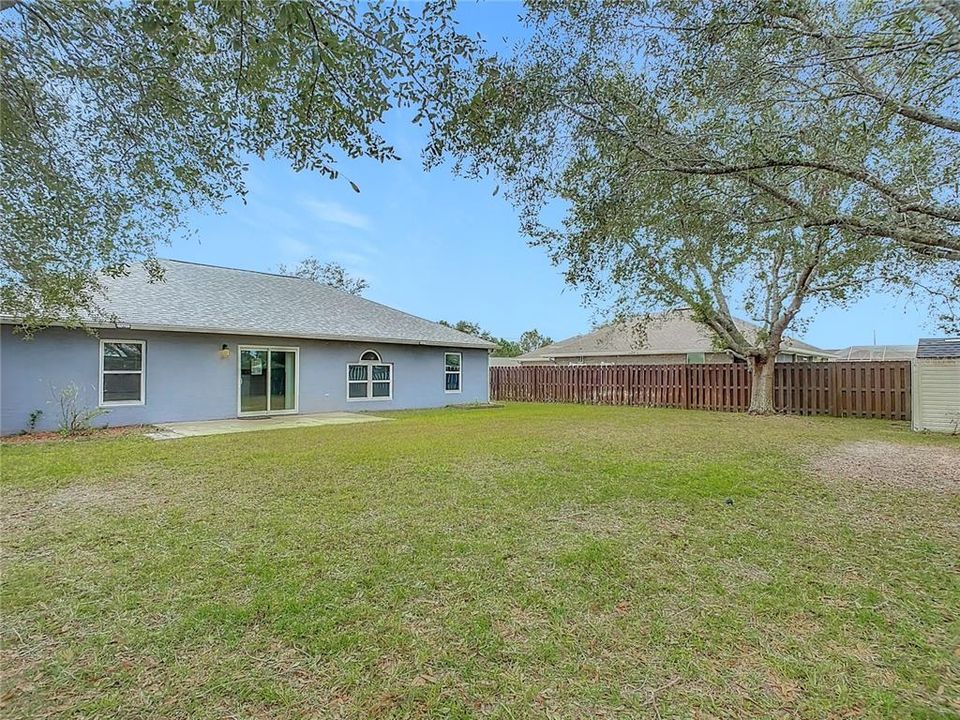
296,380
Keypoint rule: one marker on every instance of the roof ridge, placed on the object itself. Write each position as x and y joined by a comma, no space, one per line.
236,269
607,335
325,287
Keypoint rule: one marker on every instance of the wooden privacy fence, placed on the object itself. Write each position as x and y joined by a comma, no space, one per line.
842,389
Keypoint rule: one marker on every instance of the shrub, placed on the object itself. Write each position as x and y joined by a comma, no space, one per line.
33,419
75,416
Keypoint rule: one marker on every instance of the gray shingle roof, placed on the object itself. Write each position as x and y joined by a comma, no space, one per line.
938,348
205,298
668,333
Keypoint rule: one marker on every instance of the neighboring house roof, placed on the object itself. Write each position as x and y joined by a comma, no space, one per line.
668,333
205,298
938,348
503,361
876,352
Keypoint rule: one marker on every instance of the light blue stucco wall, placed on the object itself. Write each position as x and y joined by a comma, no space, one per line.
186,379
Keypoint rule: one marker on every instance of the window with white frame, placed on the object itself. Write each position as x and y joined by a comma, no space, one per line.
370,378
122,372
452,370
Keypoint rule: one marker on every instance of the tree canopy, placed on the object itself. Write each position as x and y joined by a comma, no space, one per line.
328,273
533,340
529,340
120,117
840,116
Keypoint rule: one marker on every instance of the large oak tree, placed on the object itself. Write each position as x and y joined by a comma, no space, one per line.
716,153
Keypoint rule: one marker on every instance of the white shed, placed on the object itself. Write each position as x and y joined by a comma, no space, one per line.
936,385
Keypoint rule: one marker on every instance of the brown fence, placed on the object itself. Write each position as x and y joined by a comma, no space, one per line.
843,389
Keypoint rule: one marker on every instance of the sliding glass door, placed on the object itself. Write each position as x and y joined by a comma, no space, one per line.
268,380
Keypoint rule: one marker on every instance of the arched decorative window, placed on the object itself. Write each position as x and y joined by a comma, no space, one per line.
370,378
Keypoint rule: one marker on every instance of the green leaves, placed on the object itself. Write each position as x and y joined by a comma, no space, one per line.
716,155
505,347
120,118
714,152
533,340
332,274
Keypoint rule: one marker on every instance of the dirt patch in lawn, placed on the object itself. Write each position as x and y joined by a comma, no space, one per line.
912,467
92,434
24,509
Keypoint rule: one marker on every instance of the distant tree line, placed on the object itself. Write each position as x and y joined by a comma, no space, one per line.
529,340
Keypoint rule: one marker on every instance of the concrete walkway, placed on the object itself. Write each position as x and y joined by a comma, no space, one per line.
171,431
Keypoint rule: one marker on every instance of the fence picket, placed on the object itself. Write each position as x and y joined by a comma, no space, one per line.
858,389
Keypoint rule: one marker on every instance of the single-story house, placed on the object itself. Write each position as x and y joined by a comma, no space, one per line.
667,338
213,343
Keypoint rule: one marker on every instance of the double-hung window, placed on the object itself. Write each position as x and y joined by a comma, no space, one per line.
122,372
452,371
370,378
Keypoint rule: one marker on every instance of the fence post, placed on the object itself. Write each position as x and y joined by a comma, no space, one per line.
835,389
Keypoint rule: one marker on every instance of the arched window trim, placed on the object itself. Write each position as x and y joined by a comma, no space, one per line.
367,379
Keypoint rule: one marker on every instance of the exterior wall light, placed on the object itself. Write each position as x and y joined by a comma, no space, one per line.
225,351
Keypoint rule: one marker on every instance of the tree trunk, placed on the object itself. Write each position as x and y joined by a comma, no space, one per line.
761,393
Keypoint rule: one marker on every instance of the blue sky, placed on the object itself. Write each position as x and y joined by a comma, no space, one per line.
444,247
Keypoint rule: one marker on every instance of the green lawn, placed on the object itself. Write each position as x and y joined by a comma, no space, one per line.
528,561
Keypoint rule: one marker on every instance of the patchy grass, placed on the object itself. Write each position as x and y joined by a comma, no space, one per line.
529,561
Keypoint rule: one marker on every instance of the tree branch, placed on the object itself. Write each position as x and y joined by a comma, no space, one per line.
836,52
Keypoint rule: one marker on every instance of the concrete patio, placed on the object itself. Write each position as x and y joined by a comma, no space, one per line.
172,431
